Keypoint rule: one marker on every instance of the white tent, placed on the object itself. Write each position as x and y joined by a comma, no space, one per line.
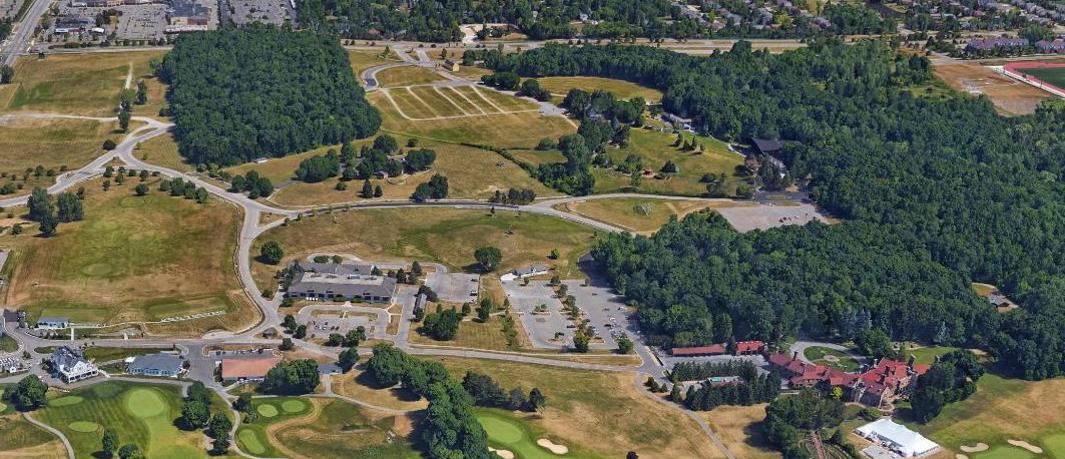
897,437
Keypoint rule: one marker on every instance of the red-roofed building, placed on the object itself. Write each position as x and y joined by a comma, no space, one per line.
247,369
886,381
742,348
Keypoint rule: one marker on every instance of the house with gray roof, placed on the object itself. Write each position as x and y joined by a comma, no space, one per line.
336,281
70,365
53,323
161,364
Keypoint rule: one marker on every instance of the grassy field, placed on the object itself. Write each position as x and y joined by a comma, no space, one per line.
163,151
471,334
471,173
23,439
595,414
927,355
142,414
406,76
655,148
621,89
738,429
320,428
831,358
355,385
132,259
85,84
518,130
1052,75
362,60
1000,410
447,236
639,215
55,145
8,344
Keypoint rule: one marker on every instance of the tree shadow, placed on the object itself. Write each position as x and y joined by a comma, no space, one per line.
398,392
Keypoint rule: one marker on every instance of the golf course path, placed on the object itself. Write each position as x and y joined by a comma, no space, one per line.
63,438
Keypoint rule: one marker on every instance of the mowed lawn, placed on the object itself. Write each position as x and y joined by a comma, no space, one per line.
471,173
52,144
640,215
143,414
163,151
513,130
620,88
406,76
656,148
83,84
131,259
447,236
362,60
1052,75
1000,410
594,414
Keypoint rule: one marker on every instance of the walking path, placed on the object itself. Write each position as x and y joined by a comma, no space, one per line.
54,431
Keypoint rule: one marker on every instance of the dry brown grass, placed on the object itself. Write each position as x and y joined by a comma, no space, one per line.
622,211
737,428
599,411
23,440
355,386
1009,96
621,89
406,76
471,334
162,151
52,144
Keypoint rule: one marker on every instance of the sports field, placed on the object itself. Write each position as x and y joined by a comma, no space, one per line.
640,215
55,145
467,114
143,414
447,236
84,84
323,428
593,414
133,259
1054,75
1001,410
655,149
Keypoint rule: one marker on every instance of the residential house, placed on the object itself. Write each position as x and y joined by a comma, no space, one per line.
161,364
70,365
327,281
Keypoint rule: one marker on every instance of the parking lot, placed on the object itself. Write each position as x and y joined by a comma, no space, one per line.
746,219
9,8
454,287
136,22
242,12
551,329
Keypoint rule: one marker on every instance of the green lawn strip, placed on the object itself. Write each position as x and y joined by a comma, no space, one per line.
1004,451
1052,75
141,413
927,355
8,344
831,357
656,148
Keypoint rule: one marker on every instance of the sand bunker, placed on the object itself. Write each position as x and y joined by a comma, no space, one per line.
551,446
501,453
960,456
975,448
1026,445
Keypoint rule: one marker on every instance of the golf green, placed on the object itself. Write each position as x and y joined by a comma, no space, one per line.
267,410
84,426
294,406
510,434
65,401
1004,452
144,403
249,440
501,430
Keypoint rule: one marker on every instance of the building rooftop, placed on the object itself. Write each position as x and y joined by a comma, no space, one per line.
160,361
901,439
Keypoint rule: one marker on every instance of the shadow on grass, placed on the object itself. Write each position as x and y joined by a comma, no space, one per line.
399,392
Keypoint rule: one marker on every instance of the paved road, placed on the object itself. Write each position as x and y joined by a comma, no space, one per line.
20,40
63,438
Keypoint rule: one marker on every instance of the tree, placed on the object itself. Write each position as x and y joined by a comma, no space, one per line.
69,207
387,365
625,345
109,145
348,358
386,144
554,254
632,455
291,378
354,336
377,192
488,257
220,445
194,414
335,339
537,400
300,332
271,253
109,442
442,326
243,402
367,189
484,310
130,451
49,225
435,188
142,92
28,394
286,344
580,341
7,73
123,120
219,426
141,189
39,204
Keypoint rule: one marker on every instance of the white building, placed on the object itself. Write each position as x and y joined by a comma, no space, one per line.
70,366
521,273
53,323
897,438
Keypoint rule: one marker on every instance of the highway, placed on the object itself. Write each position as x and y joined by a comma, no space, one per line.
21,38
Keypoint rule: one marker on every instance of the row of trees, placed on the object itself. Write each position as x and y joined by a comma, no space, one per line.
932,191
435,188
952,378
240,93
487,392
196,414
252,183
514,196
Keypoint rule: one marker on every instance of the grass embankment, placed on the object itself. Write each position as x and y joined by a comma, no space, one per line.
1000,410
163,151
637,214
447,236
55,145
142,414
594,414
319,428
656,148
362,60
82,84
133,259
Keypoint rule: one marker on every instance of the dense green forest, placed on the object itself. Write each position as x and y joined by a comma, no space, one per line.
935,192
238,94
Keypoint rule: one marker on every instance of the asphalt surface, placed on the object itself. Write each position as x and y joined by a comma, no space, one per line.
19,41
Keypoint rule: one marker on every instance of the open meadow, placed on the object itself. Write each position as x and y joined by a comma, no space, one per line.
640,215
593,414
133,258
323,428
82,84
739,429
406,76
142,414
54,145
621,89
447,236
655,149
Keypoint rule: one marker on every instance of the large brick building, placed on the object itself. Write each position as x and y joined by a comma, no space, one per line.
886,381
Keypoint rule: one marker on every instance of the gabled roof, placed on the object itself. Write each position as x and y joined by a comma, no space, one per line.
767,146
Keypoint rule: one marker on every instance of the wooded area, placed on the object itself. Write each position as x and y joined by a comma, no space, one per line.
240,94
935,193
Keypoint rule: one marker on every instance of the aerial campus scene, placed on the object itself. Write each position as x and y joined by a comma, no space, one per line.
533,229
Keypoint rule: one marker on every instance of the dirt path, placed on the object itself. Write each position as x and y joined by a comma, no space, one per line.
129,76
